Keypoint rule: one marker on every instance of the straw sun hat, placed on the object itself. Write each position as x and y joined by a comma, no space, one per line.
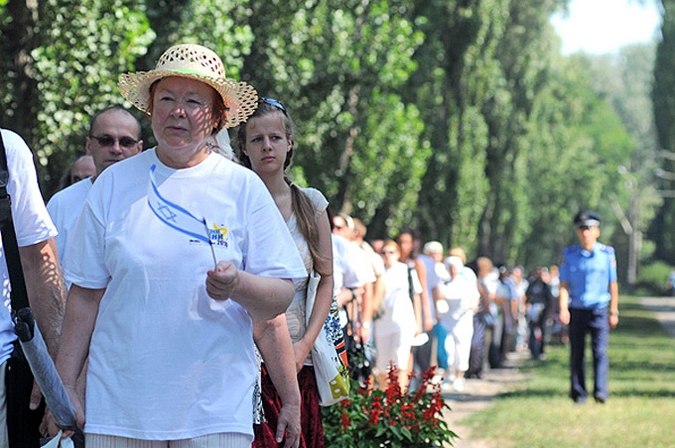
194,62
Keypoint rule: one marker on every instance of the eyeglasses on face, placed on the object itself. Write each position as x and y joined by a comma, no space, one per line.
106,140
388,252
274,103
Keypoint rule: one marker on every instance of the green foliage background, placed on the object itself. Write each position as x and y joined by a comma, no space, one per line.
458,118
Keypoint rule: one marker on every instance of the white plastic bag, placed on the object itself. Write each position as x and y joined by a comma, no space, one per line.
56,442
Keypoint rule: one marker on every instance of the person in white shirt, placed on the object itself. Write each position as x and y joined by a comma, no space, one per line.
431,257
399,318
114,135
350,274
461,295
182,250
372,291
44,286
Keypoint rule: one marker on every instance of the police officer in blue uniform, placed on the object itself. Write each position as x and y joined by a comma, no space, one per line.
589,303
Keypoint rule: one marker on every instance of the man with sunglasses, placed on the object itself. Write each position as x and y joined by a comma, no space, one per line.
114,135
589,303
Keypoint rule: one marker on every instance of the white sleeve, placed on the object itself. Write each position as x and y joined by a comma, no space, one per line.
31,219
359,270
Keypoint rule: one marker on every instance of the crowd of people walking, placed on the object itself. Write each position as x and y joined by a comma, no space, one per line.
436,309
192,311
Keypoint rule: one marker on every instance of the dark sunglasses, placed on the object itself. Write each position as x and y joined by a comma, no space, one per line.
106,140
274,103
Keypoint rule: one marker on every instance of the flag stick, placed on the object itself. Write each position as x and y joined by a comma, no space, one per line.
208,235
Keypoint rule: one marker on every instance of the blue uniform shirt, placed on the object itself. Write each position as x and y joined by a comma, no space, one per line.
588,275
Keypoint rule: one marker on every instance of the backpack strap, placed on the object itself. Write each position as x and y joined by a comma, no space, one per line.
19,294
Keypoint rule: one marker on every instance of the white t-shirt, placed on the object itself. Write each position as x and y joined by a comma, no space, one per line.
64,208
31,221
166,361
460,294
350,269
375,260
433,279
399,312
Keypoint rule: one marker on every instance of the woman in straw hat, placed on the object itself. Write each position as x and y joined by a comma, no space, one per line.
182,250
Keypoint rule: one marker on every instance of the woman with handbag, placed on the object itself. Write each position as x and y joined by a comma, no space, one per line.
265,143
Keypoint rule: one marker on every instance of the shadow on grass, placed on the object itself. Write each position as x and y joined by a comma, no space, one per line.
640,324
469,398
532,392
659,393
557,392
639,366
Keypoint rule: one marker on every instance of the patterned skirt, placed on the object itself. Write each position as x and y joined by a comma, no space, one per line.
312,427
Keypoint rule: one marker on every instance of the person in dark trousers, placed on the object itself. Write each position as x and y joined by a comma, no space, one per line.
538,304
483,320
589,303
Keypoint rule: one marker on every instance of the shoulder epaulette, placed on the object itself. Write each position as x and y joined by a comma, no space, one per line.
605,248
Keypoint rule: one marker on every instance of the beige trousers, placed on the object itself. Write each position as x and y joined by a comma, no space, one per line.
222,440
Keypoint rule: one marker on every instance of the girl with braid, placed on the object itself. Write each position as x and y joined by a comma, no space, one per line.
265,143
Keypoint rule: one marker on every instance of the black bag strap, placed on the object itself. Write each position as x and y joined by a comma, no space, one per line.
411,286
19,294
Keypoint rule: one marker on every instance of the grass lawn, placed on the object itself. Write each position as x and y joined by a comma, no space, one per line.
639,413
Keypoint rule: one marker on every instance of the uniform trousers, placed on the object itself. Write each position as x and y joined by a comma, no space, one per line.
596,323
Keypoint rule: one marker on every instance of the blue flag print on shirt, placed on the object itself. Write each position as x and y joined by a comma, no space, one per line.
173,215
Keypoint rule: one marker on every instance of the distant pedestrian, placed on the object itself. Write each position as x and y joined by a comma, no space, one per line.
400,320
589,302
538,302
483,321
461,296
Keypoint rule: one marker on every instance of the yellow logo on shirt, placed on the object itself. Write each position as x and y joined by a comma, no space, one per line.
218,235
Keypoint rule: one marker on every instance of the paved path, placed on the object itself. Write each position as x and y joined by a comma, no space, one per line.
664,309
479,394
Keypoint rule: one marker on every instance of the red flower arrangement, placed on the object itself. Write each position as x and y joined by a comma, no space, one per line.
372,418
